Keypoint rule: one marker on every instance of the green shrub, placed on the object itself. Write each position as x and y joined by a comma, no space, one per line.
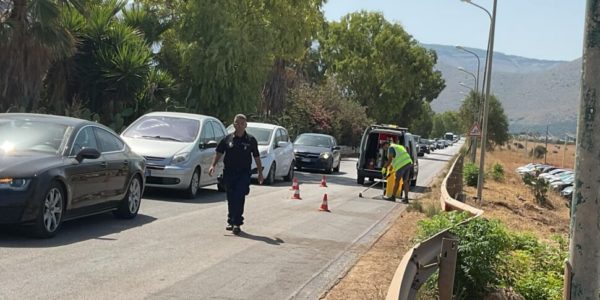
497,172
470,174
540,189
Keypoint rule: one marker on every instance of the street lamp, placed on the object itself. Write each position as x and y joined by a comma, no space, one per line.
464,85
472,75
473,148
486,104
478,64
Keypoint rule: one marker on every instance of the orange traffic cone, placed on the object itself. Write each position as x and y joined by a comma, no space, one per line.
324,181
324,206
295,184
296,193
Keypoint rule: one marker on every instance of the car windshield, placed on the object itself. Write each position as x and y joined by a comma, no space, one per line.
313,140
262,135
26,135
164,128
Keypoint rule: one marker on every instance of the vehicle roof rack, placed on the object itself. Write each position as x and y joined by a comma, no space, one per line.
389,126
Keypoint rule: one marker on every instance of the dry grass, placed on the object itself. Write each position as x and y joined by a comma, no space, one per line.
510,201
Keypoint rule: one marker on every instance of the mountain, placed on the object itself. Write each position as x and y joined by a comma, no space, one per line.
535,93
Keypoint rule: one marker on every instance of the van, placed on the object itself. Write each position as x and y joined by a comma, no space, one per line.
371,157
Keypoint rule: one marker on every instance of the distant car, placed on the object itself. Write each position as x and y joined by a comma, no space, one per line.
276,151
179,149
54,169
317,151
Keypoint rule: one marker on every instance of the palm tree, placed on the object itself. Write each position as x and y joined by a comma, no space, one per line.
31,38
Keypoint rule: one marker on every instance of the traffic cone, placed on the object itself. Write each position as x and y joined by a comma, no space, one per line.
324,206
295,184
296,193
323,181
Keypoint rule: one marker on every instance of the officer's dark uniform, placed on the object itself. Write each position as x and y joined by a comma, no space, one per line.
239,152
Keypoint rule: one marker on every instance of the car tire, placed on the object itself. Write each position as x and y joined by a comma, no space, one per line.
130,205
49,219
360,180
194,185
329,169
271,175
290,174
337,169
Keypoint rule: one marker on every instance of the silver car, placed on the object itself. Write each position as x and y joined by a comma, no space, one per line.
178,148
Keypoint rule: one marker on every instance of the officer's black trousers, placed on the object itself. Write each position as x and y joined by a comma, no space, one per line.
237,183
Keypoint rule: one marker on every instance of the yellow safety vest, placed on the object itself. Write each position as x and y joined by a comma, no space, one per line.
402,157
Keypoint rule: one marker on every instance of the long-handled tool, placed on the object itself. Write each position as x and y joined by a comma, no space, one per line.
374,184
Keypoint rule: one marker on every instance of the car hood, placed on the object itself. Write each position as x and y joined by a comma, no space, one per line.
311,149
28,164
156,148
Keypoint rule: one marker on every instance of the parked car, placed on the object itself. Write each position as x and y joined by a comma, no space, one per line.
371,154
276,151
317,151
178,148
54,168
567,192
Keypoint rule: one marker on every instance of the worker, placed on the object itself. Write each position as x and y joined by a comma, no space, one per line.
402,164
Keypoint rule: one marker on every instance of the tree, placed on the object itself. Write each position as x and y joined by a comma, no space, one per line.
448,121
497,120
380,65
31,38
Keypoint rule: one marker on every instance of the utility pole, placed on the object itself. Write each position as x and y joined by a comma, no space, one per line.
564,152
584,245
526,140
546,146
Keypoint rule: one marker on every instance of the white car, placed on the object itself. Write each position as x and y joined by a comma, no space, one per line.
276,151
178,148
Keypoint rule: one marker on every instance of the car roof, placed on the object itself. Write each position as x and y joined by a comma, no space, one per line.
262,125
316,134
69,121
179,115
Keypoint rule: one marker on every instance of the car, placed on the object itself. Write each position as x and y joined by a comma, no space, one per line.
371,156
276,151
55,168
317,151
178,148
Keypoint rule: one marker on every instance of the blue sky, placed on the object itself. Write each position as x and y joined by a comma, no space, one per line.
543,29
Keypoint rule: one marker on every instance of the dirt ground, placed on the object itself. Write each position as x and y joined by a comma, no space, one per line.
509,201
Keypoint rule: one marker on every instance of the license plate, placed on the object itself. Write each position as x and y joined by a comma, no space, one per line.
306,159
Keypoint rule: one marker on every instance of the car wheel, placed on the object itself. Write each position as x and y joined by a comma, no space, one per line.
192,189
49,219
271,175
360,180
290,174
329,169
130,205
337,169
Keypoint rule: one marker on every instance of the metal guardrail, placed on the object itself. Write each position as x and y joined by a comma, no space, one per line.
437,252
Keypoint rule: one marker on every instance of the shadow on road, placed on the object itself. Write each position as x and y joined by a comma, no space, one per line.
204,196
276,241
434,159
420,189
93,227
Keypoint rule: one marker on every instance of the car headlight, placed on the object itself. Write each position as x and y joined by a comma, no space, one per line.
180,158
15,184
325,155
263,154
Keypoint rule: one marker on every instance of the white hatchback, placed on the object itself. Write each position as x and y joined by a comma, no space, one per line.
276,151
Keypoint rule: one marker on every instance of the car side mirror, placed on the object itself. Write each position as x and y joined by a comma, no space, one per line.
208,145
336,148
282,144
87,153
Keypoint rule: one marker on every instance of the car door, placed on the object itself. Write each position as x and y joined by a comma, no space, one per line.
117,165
289,151
86,179
219,130
206,156
337,153
280,154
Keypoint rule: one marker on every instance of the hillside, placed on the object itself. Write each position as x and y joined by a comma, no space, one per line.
534,93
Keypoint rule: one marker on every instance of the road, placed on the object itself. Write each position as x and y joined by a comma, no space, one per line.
179,249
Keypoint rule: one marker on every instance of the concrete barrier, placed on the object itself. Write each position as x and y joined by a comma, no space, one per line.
437,252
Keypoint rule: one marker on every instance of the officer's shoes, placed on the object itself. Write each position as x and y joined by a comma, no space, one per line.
392,198
236,229
229,227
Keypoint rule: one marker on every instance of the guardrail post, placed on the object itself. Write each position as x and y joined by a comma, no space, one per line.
447,268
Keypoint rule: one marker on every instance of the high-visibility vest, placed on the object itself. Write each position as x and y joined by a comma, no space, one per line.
402,157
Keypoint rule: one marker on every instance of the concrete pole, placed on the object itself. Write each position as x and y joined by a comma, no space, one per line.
584,247
546,146
564,153
486,106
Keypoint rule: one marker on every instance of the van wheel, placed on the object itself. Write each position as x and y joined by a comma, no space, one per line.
192,189
360,180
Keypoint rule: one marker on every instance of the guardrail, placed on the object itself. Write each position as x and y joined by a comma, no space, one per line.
437,252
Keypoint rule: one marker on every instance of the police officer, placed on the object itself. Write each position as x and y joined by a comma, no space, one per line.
239,147
402,164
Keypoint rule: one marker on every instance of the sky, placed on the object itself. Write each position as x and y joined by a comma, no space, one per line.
542,29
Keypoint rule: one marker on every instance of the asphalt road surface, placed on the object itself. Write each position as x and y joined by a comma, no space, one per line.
179,249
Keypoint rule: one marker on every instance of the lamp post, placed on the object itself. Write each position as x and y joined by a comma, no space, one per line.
476,114
478,64
472,75
486,103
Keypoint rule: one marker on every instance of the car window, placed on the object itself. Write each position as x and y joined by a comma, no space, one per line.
284,135
313,140
262,135
279,136
108,142
85,138
218,129
208,133
164,128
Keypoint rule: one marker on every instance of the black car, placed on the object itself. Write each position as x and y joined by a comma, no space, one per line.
317,151
55,168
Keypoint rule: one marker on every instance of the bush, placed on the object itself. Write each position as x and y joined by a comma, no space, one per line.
539,187
470,174
497,172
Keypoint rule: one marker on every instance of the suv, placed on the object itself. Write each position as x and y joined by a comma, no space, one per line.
371,157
